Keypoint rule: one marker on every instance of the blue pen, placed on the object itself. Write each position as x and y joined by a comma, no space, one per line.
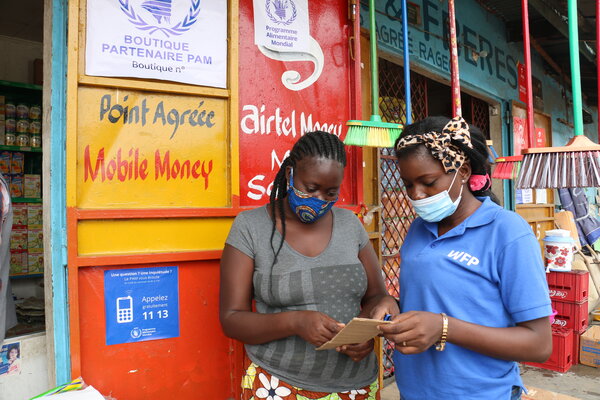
388,317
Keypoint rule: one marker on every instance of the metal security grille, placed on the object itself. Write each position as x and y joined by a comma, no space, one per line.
397,214
480,112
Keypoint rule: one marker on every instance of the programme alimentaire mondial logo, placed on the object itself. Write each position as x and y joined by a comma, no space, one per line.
281,12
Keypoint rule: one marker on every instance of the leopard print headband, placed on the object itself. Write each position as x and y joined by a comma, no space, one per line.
440,144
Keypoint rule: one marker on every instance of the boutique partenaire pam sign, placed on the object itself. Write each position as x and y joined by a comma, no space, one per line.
175,40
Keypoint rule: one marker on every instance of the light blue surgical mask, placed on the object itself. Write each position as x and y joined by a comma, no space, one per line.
437,207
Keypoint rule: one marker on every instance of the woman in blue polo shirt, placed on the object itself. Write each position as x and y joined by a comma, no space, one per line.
473,293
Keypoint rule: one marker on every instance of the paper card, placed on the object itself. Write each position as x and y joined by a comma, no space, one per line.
282,26
541,196
527,196
518,196
359,330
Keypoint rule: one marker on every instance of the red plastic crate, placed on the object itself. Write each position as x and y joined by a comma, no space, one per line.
576,337
572,286
571,316
561,358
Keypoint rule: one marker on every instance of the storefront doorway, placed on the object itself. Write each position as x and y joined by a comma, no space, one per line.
24,152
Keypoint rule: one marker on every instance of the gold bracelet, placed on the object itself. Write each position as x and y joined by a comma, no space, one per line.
441,345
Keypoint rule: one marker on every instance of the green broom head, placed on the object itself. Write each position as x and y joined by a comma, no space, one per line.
373,133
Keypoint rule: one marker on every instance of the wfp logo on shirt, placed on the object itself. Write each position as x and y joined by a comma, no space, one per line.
463,257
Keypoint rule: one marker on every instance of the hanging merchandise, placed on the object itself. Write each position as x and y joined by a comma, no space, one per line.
375,132
578,163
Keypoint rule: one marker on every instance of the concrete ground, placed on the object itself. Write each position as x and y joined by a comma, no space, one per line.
580,381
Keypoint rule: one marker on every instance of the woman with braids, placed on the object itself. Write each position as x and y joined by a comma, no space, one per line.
310,269
473,293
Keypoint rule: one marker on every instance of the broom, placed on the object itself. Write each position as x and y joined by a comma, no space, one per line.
375,132
507,167
578,163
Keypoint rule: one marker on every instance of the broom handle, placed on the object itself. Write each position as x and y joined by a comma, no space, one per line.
575,74
598,53
407,101
456,107
357,62
528,84
374,61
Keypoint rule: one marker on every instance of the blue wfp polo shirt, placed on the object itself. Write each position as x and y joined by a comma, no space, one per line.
488,271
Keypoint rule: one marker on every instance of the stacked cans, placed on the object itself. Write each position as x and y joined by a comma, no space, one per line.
22,123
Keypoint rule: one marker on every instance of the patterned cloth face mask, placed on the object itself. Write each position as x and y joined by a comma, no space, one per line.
439,206
306,207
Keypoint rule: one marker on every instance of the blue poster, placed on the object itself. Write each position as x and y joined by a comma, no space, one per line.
141,304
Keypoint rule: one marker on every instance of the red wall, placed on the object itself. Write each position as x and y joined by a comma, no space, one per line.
327,100
196,365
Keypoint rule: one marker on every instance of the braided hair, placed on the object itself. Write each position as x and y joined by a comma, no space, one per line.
477,156
317,144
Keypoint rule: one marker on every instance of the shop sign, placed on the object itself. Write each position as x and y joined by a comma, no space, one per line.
286,94
141,304
143,150
540,137
175,40
521,138
281,25
486,60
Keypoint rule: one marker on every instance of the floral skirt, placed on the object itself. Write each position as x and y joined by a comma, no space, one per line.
259,384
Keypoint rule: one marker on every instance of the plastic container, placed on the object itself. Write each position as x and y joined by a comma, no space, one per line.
571,316
22,126
35,127
10,125
558,250
23,139
22,111
35,112
10,139
570,286
36,141
10,110
561,358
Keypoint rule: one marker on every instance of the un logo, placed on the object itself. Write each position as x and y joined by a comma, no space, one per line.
155,16
136,333
282,12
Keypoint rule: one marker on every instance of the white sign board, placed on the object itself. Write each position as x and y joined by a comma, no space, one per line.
175,40
281,25
527,196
